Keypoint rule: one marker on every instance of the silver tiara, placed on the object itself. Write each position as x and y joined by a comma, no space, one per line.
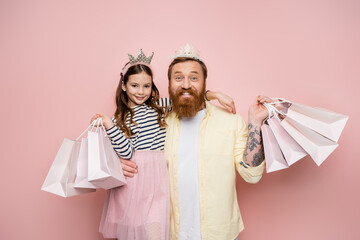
139,59
187,51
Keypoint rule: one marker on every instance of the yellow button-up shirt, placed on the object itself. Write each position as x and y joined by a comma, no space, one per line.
222,142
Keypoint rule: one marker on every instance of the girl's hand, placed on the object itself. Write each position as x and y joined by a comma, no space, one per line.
226,101
105,119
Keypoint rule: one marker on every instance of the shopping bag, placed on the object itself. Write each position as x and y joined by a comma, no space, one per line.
316,145
61,176
327,123
316,130
104,167
81,180
291,150
273,156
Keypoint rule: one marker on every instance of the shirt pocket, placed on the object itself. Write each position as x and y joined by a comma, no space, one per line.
220,142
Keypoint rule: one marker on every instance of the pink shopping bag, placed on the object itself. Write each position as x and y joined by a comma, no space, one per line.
273,155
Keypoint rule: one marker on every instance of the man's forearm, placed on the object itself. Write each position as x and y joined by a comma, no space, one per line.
254,151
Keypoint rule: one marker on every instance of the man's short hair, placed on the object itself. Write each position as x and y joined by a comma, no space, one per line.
185,59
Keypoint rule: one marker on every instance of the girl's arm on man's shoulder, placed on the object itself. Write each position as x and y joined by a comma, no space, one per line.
226,101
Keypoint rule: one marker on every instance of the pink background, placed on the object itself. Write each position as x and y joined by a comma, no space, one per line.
60,63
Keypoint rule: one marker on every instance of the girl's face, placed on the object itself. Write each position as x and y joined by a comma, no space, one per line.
138,88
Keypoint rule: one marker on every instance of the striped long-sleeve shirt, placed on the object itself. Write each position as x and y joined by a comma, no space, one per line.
148,135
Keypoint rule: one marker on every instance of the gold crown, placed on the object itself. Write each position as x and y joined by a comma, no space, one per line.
187,51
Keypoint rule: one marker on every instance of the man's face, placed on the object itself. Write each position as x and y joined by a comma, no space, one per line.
187,88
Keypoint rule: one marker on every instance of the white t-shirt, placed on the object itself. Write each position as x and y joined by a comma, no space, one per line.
188,179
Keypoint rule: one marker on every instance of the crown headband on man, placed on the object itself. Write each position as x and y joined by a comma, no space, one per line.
187,51
139,59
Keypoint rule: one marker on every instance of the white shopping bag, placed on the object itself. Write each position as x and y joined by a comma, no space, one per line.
327,123
273,155
104,167
61,176
81,180
292,151
316,130
316,145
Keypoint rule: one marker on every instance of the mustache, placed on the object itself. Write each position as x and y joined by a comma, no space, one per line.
182,91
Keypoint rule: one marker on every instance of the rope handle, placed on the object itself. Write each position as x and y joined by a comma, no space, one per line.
99,124
96,122
91,125
279,100
273,111
102,125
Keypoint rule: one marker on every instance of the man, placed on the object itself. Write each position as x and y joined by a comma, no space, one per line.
204,146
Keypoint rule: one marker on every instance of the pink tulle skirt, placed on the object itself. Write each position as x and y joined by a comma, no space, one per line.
140,209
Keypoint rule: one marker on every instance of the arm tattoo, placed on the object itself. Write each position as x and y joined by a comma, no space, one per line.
258,157
254,146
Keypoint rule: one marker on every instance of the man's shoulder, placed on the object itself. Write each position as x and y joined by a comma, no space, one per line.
220,112
219,118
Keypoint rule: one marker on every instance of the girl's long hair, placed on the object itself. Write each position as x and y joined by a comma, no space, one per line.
123,110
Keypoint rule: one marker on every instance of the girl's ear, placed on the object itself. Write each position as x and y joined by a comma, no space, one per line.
123,86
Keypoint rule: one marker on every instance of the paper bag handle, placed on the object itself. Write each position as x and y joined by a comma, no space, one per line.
272,109
99,123
92,125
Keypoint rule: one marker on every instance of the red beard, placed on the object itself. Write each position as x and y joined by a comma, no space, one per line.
187,108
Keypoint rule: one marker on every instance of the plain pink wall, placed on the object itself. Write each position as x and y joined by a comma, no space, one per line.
60,63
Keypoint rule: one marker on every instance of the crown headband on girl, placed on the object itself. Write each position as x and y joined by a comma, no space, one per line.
139,59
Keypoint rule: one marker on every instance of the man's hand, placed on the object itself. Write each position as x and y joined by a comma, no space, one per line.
257,111
254,152
129,168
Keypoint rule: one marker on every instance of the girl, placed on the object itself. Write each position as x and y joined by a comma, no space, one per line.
140,209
